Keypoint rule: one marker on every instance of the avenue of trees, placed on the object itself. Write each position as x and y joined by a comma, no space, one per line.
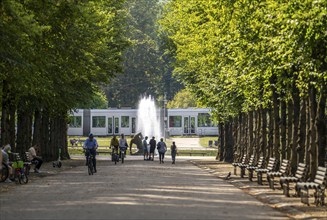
54,56
146,68
261,66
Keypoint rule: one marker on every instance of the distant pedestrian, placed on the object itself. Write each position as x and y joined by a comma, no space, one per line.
152,147
145,148
173,149
162,148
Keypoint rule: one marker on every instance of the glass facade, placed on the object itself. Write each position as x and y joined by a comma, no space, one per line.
125,121
98,121
175,121
204,120
75,121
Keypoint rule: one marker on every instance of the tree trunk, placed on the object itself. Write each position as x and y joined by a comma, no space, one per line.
270,134
258,132
222,142
250,141
45,135
63,137
276,126
321,126
228,142
302,132
24,125
5,134
246,134
289,129
237,146
12,125
283,128
308,133
264,142
296,115
313,145
37,134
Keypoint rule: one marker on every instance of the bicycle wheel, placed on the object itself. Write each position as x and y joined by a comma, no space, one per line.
19,177
122,158
27,168
90,167
4,172
24,178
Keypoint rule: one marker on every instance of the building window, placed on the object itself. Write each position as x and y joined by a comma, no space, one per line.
175,121
99,121
204,120
75,121
125,121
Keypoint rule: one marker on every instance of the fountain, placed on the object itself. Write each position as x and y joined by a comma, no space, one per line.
148,121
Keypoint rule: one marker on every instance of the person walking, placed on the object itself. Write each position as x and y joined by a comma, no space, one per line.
162,148
145,148
152,147
173,149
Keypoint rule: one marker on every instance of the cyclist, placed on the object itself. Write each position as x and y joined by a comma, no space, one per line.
90,147
114,144
122,144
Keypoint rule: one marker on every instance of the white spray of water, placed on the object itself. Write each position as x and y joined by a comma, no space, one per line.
148,121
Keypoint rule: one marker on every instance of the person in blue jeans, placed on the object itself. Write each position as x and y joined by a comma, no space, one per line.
90,147
162,148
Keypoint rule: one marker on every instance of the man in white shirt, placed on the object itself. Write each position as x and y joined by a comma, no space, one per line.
35,159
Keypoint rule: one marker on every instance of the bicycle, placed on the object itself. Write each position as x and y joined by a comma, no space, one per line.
19,167
115,156
122,153
90,165
4,172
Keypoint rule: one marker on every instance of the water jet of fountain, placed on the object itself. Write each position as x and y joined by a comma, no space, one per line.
148,121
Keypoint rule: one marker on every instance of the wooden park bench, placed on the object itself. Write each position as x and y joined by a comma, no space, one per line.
191,153
300,176
252,168
318,184
244,166
283,171
272,164
235,165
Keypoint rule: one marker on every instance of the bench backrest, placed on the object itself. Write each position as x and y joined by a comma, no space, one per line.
260,162
285,166
28,156
251,160
321,176
301,171
272,164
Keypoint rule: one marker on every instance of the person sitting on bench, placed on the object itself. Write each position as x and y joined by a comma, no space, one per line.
35,159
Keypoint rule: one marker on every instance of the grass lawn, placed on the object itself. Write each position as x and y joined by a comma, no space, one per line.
104,143
205,140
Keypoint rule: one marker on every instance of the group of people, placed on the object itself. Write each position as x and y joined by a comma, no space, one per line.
149,148
4,158
119,146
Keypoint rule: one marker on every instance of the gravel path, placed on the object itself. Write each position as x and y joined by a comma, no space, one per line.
136,189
